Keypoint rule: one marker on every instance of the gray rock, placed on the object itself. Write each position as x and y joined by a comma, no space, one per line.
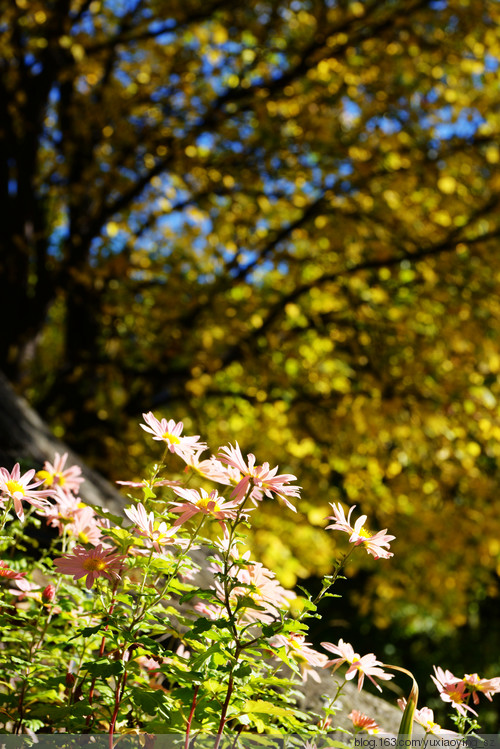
25,437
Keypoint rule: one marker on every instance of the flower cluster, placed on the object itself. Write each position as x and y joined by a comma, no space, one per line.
256,594
458,691
136,587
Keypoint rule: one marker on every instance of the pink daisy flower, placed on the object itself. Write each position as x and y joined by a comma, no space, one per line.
453,690
69,479
149,664
261,479
170,433
212,469
69,514
200,501
92,563
63,510
375,544
18,488
484,686
7,574
300,651
24,589
362,722
425,718
158,533
367,665
84,526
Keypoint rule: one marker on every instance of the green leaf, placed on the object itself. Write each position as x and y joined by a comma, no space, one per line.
87,631
104,513
196,592
268,708
103,668
406,725
149,701
243,670
148,493
201,625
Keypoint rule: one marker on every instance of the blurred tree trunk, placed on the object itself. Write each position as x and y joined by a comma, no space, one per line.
26,439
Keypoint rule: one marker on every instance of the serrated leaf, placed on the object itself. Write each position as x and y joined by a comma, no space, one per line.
201,625
150,701
148,492
104,668
87,631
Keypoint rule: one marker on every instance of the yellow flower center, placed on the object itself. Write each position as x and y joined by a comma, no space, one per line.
14,486
59,479
83,537
295,652
51,478
203,504
365,534
94,565
48,478
172,438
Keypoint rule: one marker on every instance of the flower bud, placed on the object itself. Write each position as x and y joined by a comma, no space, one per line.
49,593
70,679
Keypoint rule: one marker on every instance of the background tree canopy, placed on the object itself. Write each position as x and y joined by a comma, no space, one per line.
279,221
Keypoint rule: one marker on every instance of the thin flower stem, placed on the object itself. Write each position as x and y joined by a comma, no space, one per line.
224,710
191,714
5,515
228,566
160,465
103,641
35,644
233,745
329,582
120,689
159,596
77,686
148,565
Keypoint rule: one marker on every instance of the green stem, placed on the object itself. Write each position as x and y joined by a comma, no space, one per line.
4,517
